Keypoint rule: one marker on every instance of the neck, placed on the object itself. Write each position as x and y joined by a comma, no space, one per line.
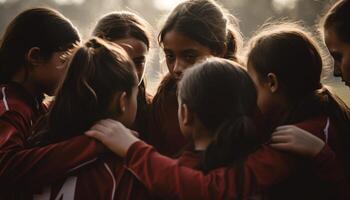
279,113
22,79
202,140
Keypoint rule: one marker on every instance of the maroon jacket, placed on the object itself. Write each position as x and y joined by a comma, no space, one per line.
20,166
104,179
265,171
164,129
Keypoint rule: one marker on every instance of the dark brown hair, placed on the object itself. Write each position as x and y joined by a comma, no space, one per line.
118,25
289,52
95,73
292,54
338,19
223,96
38,27
207,23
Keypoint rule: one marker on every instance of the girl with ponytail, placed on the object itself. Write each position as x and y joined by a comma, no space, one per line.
193,31
213,115
217,105
104,82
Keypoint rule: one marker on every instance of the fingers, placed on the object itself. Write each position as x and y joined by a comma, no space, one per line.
96,134
283,132
281,146
108,123
101,128
286,127
281,139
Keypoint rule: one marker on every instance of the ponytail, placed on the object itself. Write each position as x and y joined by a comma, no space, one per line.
96,71
3,76
324,102
339,113
233,141
234,39
233,43
223,97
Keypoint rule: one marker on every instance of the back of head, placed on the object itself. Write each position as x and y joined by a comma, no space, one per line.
337,19
218,89
120,25
38,27
206,22
96,72
223,96
291,53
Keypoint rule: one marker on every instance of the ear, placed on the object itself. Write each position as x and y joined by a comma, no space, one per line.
187,115
272,82
123,101
33,56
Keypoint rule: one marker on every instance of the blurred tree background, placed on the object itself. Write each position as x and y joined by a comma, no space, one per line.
251,13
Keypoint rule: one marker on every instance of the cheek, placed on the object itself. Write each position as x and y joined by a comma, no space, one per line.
181,123
170,65
140,73
263,100
133,110
55,70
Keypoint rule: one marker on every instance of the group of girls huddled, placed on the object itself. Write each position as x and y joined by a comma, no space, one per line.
222,124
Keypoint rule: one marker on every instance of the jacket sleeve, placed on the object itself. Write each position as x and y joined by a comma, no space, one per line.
20,166
164,177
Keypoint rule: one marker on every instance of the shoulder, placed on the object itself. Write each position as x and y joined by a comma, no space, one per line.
317,125
190,159
10,102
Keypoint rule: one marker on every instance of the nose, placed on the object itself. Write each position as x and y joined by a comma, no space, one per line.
178,68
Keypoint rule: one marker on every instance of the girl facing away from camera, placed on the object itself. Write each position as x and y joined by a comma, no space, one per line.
104,82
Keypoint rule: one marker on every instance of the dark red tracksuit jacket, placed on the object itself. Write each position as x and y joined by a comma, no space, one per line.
104,179
277,174
26,168
165,134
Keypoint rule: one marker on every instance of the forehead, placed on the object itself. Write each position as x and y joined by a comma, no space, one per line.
176,41
132,46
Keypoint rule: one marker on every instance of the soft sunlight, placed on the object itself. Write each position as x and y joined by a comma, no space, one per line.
68,2
281,5
166,4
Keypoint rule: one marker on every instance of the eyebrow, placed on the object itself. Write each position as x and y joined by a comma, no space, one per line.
190,51
182,51
167,50
139,58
